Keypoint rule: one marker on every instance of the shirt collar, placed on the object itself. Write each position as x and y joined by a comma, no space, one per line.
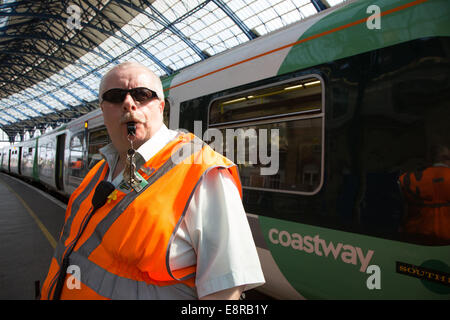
153,145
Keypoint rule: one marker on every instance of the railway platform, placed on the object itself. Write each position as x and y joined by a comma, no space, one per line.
30,222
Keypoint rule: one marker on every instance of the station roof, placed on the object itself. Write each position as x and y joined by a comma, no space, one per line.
54,53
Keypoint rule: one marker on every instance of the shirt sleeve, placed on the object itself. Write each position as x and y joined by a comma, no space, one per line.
221,236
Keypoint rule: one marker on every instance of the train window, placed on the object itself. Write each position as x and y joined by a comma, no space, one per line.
280,129
294,98
97,140
77,167
50,157
166,113
46,160
27,157
42,155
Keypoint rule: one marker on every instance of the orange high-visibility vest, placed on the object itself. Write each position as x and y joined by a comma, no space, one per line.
427,193
123,251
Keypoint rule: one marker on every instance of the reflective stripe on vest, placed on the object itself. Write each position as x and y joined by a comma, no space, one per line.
111,286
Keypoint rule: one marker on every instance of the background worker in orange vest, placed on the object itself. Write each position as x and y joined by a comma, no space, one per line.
427,194
179,232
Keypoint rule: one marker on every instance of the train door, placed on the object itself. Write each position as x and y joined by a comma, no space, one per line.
19,162
59,173
9,160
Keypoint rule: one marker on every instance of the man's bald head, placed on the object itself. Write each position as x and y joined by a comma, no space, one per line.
156,82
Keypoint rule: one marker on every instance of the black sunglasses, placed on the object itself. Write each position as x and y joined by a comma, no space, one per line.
140,94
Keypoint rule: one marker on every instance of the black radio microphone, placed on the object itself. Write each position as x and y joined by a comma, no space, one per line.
101,194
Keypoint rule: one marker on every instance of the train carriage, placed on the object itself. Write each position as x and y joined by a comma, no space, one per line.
339,107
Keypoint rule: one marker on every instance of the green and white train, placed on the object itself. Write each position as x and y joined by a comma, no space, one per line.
358,99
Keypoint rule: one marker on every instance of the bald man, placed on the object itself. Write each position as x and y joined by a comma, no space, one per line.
182,233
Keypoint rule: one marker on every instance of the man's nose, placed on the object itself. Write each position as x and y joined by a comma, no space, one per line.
128,103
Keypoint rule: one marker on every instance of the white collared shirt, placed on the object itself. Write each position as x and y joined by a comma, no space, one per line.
214,234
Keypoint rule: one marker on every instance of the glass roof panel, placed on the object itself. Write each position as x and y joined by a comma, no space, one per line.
39,106
7,117
74,71
142,27
308,10
81,91
136,56
54,103
28,111
16,114
66,97
94,60
114,46
265,16
15,101
4,19
59,78
173,9
8,101
45,86
28,93
171,51
212,30
92,81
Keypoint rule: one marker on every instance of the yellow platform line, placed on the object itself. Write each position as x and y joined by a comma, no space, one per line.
34,216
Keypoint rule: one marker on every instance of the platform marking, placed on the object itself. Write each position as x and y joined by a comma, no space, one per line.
34,216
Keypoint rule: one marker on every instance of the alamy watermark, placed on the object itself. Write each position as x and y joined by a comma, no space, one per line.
242,146
374,21
74,20
74,280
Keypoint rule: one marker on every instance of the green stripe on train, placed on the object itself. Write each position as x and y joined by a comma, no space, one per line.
166,82
427,19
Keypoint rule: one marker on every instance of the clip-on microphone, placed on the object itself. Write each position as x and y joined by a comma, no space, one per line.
101,194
